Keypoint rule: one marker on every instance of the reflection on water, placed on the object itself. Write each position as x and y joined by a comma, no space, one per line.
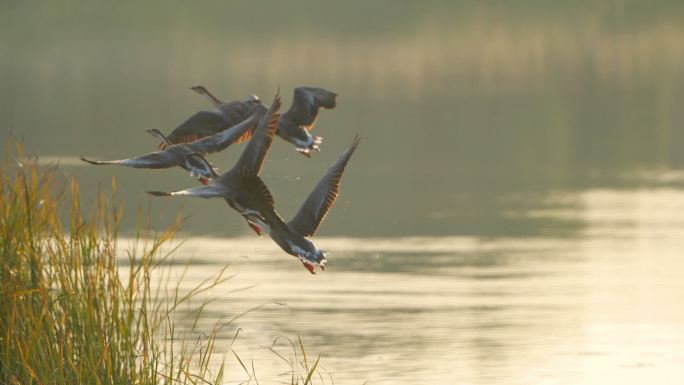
593,309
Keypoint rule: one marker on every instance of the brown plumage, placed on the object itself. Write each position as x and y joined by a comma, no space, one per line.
206,123
235,185
189,155
320,200
296,124
292,236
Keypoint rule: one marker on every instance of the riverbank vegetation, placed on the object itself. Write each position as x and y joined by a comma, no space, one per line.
71,312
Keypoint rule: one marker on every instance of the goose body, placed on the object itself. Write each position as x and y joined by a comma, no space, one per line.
241,187
295,125
189,156
210,122
292,236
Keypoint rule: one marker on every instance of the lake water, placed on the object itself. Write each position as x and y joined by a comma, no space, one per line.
602,307
515,214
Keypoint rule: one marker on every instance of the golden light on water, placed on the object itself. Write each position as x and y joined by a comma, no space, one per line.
597,308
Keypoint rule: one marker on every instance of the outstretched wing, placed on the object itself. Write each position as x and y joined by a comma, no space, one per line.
210,191
305,104
156,160
225,138
255,153
199,125
234,111
237,111
256,194
323,196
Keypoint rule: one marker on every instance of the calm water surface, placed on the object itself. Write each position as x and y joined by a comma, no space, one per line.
515,214
601,307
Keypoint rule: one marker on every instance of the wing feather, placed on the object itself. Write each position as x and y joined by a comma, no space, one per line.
154,160
199,125
209,191
225,138
305,105
320,200
252,158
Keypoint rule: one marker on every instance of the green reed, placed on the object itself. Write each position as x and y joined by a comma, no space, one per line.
68,313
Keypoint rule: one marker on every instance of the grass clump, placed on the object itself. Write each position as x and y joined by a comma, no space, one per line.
68,314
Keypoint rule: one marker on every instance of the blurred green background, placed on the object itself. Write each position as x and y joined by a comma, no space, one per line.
472,113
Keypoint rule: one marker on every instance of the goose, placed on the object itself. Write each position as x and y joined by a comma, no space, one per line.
295,124
292,236
189,156
205,123
240,186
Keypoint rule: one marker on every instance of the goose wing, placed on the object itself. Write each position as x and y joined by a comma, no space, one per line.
225,138
252,158
306,103
234,111
210,191
323,196
155,160
199,125
237,111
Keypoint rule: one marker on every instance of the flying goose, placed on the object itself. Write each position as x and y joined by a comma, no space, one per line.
205,123
292,236
295,125
239,186
189,156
